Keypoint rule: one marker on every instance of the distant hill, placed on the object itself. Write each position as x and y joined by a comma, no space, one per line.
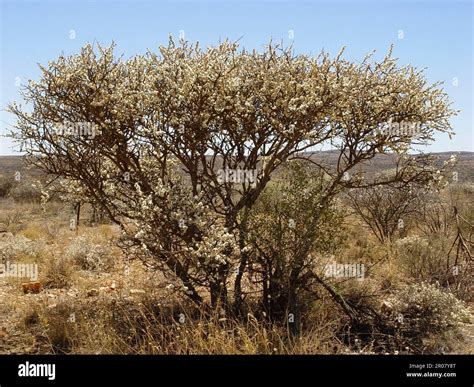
9,165
465,167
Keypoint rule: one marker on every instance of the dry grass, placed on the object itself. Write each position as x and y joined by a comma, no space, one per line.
128,327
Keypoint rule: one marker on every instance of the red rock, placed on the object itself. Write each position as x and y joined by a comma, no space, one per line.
31,287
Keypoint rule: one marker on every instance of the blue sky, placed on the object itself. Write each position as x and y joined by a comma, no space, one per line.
436,35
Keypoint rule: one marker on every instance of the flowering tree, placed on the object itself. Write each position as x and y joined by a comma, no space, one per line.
152,134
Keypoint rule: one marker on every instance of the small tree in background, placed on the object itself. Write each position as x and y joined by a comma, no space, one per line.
387,209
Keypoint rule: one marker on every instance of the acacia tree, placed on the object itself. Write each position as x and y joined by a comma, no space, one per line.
168,123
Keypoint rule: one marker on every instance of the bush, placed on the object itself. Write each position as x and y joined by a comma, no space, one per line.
60,327
89,256
386,209
26,192
423,259
289,231
12,219
248,110
423,309
58,273
19,247
6,184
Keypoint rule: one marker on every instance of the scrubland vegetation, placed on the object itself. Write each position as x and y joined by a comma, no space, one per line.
97,299
179,206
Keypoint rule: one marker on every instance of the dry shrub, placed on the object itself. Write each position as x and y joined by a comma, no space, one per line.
6,184
35,231
25,192
417,318
20,248
59,325
68,326
12,219
422,258
412,318
428,259
89,255
58,272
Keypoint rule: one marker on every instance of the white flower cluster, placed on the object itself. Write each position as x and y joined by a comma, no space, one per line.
172,221
215,248
413,241
429,307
